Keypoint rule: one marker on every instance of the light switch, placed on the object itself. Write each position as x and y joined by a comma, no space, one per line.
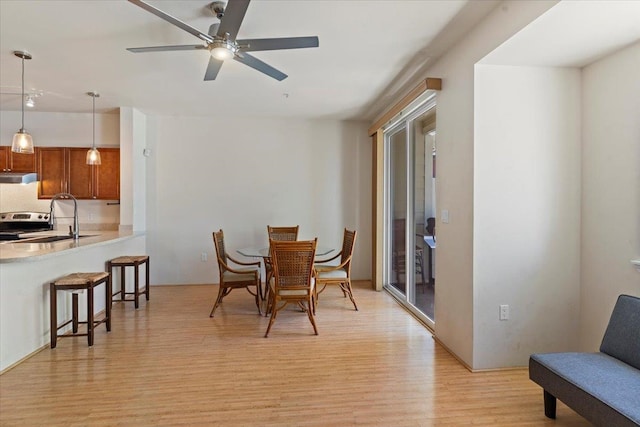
445,216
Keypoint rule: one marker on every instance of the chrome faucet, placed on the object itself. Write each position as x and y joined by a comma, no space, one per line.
75,232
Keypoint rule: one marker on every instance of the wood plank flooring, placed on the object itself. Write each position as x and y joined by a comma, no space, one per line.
169,364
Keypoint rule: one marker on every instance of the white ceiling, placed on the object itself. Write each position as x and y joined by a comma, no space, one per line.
572,34
79,46
369,51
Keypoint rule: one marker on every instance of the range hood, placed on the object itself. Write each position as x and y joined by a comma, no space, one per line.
18,178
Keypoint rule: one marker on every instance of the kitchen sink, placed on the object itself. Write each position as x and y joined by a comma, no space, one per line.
47,239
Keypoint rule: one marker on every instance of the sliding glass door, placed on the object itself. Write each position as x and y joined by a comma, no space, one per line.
409,202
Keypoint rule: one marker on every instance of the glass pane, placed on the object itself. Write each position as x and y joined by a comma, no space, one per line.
424,210
398,208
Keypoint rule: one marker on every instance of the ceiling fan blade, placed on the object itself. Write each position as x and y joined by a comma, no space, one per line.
165,48
278,43
213,68
188,28
233,16
213,29
263,67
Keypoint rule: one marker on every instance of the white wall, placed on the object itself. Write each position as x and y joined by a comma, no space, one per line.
526,222
454,261
133,169
241,174
60,130
611,188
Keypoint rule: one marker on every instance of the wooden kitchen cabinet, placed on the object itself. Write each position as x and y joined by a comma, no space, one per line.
16,162
64,170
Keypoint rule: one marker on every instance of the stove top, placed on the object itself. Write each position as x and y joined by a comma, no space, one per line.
13,224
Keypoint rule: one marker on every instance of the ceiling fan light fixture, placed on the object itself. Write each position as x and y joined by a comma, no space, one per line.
22,141
222,49
93,155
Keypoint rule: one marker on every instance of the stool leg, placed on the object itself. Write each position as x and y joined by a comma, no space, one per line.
108,302
110,271
90,315
123,288
74,312
146,273
136,291
53,314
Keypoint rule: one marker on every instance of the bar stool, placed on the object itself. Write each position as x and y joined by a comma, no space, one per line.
131,261
79,282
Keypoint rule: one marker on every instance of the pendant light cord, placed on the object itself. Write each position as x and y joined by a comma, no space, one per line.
22,128
94,121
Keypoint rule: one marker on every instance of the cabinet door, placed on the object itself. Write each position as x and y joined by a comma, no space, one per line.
21,162
107,175
51,167
80,174
4,159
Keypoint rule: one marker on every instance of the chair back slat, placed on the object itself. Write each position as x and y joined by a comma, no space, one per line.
292,263
348,243
283,233
218,241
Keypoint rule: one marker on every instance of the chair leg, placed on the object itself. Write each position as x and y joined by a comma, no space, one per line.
274,313
258,300
311,316
222,291
346,287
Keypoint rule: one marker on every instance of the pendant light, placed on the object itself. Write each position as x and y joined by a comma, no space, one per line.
93,155
22,141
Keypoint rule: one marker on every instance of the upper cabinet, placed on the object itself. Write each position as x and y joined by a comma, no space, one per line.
64,170
16,162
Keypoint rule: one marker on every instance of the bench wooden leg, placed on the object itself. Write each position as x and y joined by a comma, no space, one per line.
146,275
549,405
74,313
53,313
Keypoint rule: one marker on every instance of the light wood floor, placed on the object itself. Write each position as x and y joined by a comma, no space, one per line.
168,363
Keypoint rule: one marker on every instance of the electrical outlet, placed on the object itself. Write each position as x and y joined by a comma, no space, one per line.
445,216
203,257
504,312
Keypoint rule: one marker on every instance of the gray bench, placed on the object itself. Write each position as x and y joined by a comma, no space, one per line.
603,387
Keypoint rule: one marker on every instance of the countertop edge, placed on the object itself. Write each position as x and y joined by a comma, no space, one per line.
63,249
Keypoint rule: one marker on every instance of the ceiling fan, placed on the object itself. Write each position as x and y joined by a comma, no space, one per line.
221,39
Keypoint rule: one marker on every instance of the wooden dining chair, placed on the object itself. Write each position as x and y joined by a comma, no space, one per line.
292,280
340,274
247,277
282,234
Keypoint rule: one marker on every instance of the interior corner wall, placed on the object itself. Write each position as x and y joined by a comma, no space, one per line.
454,304
526,212
132,169
610,190
241,174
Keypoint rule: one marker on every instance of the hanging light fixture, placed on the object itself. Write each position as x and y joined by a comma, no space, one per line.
93,155
22,141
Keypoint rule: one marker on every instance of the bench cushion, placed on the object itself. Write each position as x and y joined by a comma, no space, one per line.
622,337
592,384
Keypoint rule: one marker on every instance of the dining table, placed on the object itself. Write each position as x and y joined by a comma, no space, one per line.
263,252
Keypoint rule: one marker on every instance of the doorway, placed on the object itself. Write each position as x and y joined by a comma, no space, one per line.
410,199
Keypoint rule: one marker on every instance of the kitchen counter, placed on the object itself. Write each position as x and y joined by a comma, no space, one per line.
27,251
26,269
